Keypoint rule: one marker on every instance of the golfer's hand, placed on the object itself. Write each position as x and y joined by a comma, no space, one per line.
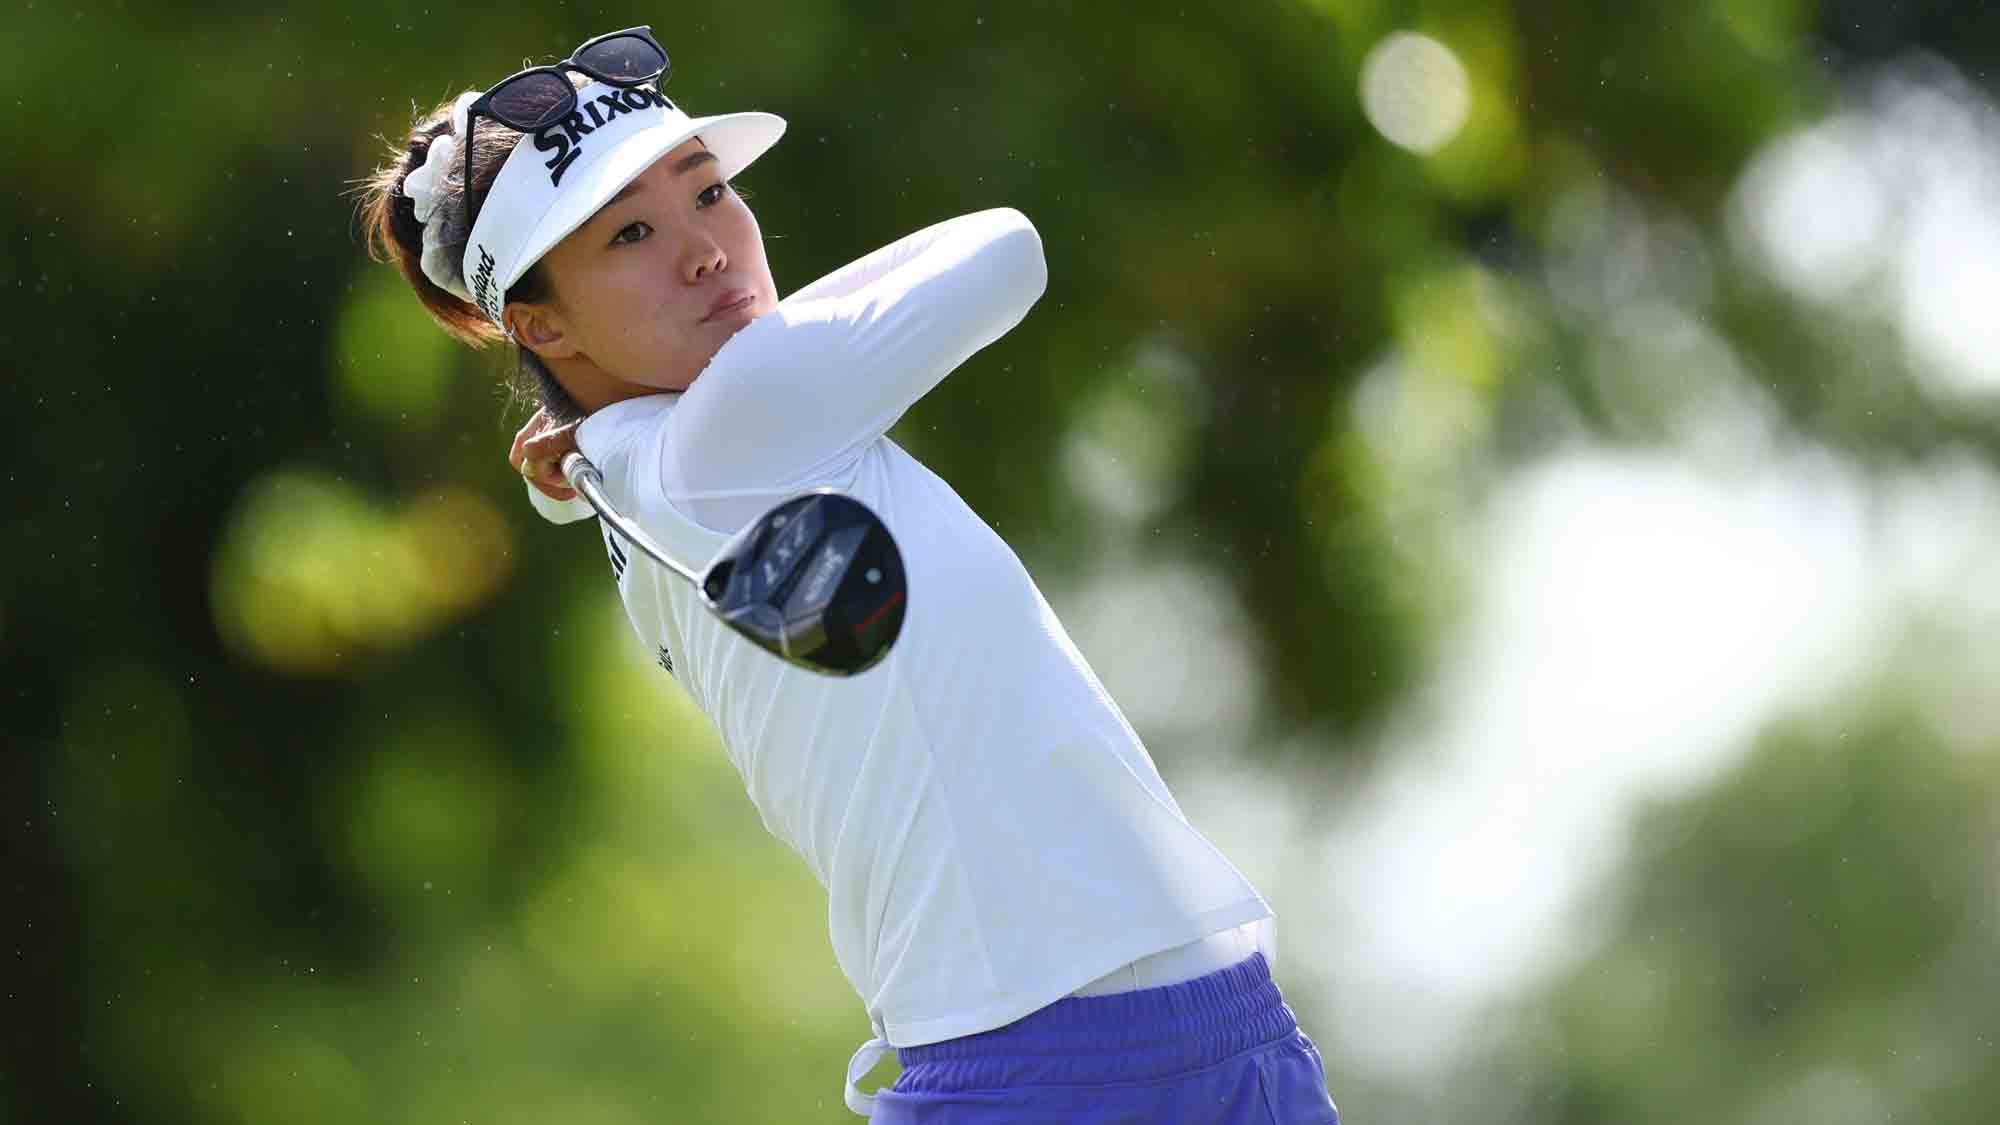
538,452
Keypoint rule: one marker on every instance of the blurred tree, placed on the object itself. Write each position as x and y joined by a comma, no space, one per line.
1809,939
280,748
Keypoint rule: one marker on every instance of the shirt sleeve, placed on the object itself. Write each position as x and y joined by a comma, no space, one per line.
802,390
558,511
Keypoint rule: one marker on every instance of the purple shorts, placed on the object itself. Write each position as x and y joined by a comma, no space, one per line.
1223,1049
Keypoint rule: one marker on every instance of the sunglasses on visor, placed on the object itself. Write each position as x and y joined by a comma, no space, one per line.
540,96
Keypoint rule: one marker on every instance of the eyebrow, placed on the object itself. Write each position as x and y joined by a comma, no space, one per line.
679,167
700,156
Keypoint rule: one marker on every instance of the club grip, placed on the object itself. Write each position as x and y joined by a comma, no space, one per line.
575,467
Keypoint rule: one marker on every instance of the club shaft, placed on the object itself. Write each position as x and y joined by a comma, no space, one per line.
589,483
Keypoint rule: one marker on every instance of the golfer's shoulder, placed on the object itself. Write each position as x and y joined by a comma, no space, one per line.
965,270
1007,272
954,279
1008,244
1000,223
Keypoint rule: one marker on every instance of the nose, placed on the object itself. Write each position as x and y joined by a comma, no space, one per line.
702,257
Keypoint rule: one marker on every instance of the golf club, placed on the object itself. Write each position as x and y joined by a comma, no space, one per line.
816,581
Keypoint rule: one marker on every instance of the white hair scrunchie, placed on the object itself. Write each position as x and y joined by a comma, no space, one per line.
426,187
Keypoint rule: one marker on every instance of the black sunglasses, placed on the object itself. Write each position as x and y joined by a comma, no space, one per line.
540,96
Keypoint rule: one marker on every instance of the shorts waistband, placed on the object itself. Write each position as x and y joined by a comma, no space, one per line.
1124,1037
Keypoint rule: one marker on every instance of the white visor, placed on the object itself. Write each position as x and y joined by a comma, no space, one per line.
557,178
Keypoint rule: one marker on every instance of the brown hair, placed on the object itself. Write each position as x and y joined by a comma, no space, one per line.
389,224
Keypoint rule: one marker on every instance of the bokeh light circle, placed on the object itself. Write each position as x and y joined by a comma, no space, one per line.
1415,91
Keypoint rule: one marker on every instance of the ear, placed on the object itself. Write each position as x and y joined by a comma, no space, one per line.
539,329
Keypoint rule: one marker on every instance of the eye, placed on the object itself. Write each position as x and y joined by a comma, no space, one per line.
711,195
632,232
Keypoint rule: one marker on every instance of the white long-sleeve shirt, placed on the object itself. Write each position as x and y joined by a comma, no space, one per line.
990,830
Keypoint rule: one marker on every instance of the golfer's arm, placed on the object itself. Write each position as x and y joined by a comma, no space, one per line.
831,375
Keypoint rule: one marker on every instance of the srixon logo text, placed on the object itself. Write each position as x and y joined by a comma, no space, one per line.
565,138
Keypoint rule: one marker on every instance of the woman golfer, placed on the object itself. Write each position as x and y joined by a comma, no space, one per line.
1029,919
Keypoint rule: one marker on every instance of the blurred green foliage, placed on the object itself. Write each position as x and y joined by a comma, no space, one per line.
339,792
1810,940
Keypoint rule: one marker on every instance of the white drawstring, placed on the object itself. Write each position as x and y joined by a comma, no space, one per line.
864,1060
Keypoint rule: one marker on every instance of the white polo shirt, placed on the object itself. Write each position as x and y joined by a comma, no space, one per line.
991,832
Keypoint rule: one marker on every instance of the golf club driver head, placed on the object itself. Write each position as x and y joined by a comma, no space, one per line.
817,581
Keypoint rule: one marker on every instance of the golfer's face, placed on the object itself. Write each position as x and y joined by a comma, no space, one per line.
664,274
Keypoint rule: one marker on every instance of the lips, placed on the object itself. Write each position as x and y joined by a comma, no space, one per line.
729,300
